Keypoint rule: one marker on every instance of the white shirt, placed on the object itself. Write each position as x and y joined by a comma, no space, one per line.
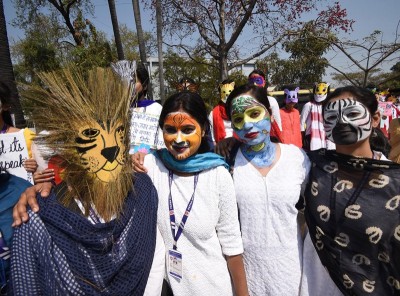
268,218
211,230
273,103
227,126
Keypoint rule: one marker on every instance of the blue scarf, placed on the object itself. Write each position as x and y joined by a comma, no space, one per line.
144,103
193,164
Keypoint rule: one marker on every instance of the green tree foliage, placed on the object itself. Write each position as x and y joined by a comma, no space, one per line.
201,70
46,47
130,43
63,12
95,49
39,50
305,63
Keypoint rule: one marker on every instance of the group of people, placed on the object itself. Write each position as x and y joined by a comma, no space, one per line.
265,218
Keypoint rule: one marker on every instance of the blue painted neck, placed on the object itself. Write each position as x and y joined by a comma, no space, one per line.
263,157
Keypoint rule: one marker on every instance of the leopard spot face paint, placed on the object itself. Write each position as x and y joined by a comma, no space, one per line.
347,121
182,134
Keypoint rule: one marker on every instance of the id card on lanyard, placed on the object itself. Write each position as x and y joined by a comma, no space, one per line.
174,256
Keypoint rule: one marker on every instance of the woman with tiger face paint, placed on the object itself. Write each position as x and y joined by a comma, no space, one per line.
197,212
352,205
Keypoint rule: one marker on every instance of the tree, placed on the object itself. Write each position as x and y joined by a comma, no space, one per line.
117,37
46,46
201,70
39,50
95,50
130,43
305,64
139,31
6,69
160,50
67,10
357,77
372,51
219,24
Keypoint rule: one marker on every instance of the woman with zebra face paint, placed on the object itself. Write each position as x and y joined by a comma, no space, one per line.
352,205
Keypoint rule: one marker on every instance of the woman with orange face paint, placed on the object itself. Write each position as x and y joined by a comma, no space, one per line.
197,212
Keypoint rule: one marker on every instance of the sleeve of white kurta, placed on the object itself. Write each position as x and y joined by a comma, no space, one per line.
275,111
306,171
210,119
304,115
228,229
157,271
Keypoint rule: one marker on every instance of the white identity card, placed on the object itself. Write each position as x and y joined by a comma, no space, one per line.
175,264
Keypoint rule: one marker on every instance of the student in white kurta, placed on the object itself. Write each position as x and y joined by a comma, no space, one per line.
145,134
210,244
268,178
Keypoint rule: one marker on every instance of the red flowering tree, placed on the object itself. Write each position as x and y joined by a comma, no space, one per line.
235,31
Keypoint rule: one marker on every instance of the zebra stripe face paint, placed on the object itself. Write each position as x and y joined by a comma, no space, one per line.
347,121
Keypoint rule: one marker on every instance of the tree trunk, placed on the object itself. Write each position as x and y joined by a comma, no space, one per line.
223,67
117,37
139,31
160,50
6,70
141,41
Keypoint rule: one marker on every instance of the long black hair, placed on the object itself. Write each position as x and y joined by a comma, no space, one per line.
143,76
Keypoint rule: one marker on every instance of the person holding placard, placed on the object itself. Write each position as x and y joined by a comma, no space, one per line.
145,134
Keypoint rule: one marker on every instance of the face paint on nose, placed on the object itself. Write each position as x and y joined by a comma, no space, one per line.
182,135
347,121
250,120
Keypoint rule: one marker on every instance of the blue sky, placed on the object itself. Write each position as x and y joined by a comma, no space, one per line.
369,15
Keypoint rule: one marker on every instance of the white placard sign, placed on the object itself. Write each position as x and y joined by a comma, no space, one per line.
13,152
144,130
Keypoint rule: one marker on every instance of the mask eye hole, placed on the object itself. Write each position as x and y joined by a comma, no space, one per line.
120,129
90,132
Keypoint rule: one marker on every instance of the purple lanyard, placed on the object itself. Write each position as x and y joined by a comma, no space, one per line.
172,213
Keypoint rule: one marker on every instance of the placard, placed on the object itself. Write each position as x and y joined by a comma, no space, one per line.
144,129
13,152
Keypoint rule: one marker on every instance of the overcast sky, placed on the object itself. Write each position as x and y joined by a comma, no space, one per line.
369,15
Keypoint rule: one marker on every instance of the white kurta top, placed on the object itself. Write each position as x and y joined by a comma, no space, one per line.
211,230
268,217
273,103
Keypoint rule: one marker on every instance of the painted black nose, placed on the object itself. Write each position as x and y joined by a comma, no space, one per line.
110,153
